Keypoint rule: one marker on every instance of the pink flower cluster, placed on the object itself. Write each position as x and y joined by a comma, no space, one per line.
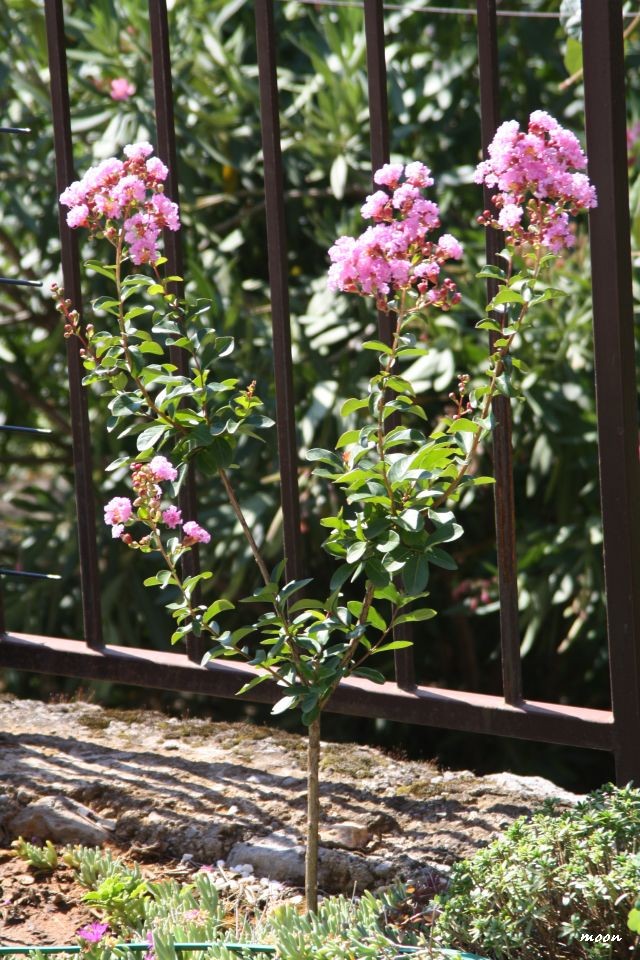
124,199
394,254
538,182
146,479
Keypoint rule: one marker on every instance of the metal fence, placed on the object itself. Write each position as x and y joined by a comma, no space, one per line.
616,730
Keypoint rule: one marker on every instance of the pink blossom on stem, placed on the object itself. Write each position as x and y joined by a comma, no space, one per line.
396,253
172,517
388,175
418,175
126,200
377,206
162,469
538,183
156,169
78,216
138,151
450,247
194,533
118,510
121,89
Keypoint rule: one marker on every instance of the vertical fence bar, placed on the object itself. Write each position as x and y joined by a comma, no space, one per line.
278,279
615,367
502,455
81,441
404,660
166,147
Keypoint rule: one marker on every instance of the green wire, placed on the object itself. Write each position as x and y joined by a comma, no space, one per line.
139,947
233,947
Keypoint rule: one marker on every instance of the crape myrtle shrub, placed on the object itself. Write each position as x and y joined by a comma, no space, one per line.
433,103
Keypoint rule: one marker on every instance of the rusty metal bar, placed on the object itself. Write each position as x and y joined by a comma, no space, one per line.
81,441
501,408
278,279
166,148
404,660
450,709
616,392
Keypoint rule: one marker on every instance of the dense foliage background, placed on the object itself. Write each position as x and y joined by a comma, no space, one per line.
434,110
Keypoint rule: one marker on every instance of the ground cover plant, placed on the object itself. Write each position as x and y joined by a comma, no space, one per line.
558,886
216,906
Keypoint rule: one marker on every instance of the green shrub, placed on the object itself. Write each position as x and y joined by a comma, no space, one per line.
559,886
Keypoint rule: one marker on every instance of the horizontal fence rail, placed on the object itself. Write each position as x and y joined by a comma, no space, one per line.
616,730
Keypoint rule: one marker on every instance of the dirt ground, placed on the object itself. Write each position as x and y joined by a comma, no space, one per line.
177,794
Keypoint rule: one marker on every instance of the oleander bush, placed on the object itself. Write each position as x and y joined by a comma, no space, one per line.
558,887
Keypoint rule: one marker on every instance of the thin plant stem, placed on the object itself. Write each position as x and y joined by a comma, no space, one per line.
313,815
237,509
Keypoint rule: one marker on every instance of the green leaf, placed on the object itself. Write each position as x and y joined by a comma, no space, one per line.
378,346
341,575
376,572
119,462
286,703
489,325
410,352
506,295
414,616
633,921
489,272
215,608
394,645
350,406
150,437
463,426
104,270
415,574
292,587
356,551
253,683
442,559
369,674
150,346
573,56
348,437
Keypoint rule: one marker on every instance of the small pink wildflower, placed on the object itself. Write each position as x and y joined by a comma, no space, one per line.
121,89
194,533
94,933
172,517
162,469
118,511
